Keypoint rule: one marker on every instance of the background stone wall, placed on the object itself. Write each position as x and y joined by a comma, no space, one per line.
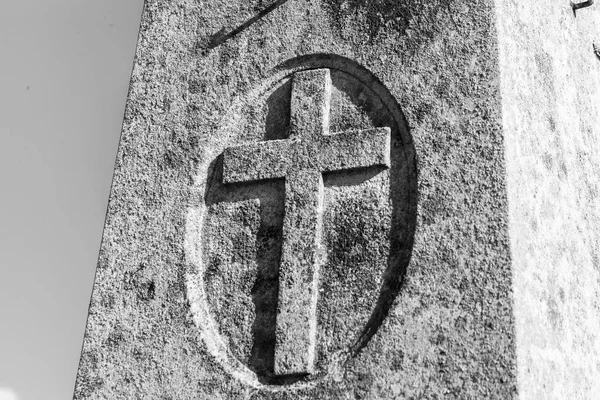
551,116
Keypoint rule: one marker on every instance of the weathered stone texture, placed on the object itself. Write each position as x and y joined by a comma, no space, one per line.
550,102
414,296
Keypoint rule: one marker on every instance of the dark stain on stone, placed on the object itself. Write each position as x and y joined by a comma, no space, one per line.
171,159
398,360
91,384
433,209
223,79
138,354
147,291
562,169
552,122
393,15
554,314
196,86
350,246
460,323
115,337
88,382
144,287
548,161
543,61
193,117
364,383
227,55
107,301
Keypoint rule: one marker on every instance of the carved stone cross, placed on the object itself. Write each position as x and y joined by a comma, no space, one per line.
301,160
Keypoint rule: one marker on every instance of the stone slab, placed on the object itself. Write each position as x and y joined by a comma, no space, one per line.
407,223
550,97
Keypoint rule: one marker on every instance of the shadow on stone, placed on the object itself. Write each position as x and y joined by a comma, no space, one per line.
268,252
404,210
278,112
351,177
224,34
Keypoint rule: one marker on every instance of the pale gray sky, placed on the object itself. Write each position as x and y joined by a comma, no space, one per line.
64,73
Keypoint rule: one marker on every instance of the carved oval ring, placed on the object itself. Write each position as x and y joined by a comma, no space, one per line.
233,231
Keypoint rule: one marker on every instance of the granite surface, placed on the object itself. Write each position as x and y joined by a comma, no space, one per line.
400,236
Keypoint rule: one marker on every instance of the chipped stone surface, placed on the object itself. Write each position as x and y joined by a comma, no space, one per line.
414,282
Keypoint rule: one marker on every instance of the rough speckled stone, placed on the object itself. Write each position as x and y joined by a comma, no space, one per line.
414,295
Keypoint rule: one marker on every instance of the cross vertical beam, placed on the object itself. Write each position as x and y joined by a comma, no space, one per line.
299,274
310,104
300,255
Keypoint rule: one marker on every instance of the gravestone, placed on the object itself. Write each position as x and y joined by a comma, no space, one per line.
309,202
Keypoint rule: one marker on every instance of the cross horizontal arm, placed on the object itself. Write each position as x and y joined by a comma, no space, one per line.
256,161
358,149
